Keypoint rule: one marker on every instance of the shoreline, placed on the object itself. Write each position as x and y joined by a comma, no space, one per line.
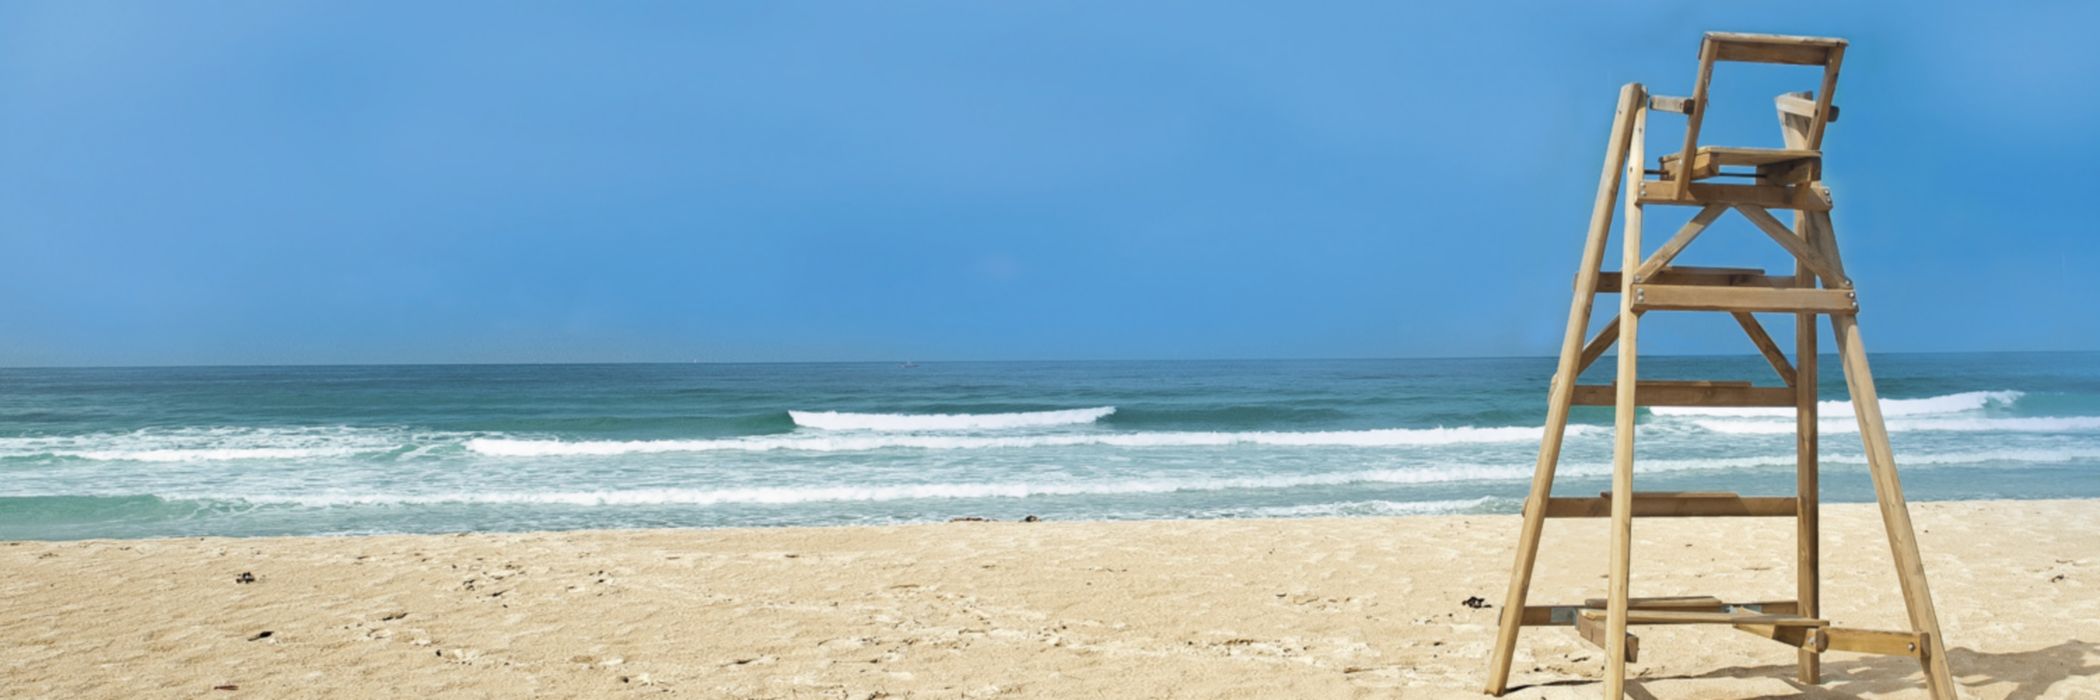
959,519
1312,607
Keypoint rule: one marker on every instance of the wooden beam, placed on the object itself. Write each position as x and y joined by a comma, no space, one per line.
1895,511
1672,297
1620,574
1680,617
1876,642
1661,103
1817,125
1801,106
1592,631
1677,394
1676,244
1794,243
1555,615
1606,336
1560,396
1609,282
1809,639
1675,602
1808,537
1648,506
1774,48
1764,344
1697,115
1798,197
1841,639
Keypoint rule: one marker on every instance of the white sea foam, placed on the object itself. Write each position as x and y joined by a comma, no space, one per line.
1935,405
224,443
1391,437
908,422
1446,473
2065,424
213,454
764,495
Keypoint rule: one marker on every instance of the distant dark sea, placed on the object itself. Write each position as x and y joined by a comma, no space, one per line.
151,452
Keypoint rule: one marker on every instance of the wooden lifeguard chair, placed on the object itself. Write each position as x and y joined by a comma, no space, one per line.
1715,179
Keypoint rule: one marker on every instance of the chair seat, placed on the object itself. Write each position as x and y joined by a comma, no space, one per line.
1708,160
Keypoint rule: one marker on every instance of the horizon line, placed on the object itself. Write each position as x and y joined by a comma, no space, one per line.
996,361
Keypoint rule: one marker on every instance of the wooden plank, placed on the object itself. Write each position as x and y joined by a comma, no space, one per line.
1676,602
1808,538
1652,507
1764,344
1654,394
1683,617
1809,639
1557,615
1621,571
1895,512
1876,642
1606,337
1676,244
1672,297
1592,631
1799,197
1773,48
1693,119
1824,95
1562,393
1800,104
1815,640
1793,243
1808,545
1660,103
1609,283
1716,156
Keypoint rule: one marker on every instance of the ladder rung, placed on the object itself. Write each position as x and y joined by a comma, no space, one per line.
1685,297
1670,506
1881,642
1543,615
1681,602
1797,197
1608,282
1683,394
1681,617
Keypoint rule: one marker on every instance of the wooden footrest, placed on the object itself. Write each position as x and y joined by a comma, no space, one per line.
1539,615
1824,639
1685,617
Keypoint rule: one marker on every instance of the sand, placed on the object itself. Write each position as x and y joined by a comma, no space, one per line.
1368,607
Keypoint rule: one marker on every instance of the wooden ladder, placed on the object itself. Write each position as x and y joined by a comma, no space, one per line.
1789,178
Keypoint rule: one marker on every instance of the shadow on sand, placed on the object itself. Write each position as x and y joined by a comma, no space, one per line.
2032,673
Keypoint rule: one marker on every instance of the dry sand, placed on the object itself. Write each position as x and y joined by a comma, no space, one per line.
1257,609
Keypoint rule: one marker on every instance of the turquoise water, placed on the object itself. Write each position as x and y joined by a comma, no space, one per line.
150,452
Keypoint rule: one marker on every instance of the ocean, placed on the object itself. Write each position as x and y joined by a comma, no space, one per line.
159,452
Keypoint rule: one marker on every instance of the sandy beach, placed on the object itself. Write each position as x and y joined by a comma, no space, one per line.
1368,607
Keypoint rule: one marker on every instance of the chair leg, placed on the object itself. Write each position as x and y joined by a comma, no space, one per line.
1562,395
1622,428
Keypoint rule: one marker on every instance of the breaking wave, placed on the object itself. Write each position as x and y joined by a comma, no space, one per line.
2068,424
909,422
1890,408
1392,437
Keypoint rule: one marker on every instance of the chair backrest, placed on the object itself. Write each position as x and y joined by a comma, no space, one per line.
1768,48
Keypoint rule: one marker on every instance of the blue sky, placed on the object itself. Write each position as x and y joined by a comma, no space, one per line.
282,182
